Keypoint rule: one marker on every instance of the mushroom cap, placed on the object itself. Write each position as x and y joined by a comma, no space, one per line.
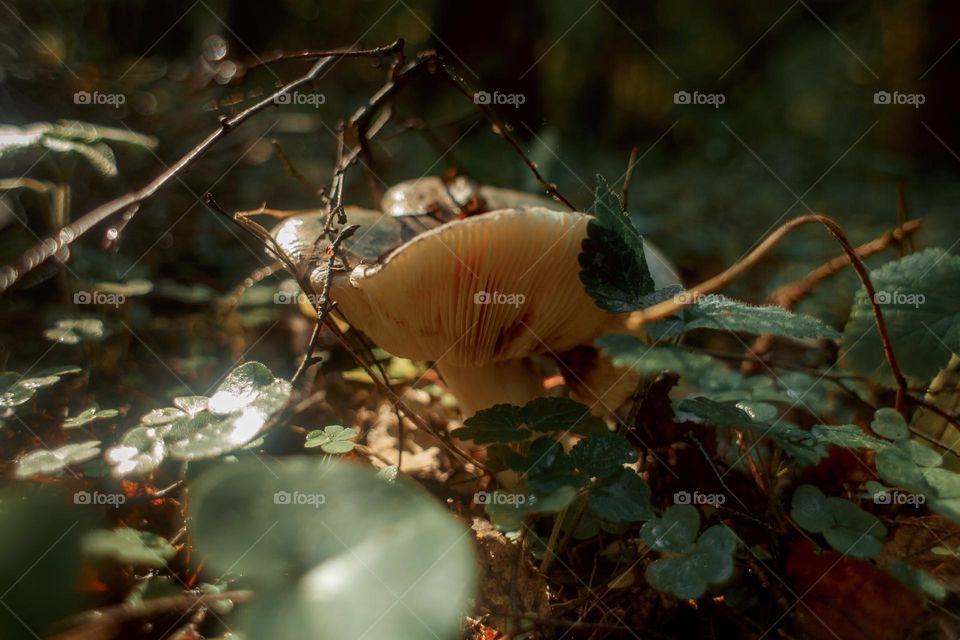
492,287
377,235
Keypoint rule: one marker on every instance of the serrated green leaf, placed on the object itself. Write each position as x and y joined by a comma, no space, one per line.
332,439
720,414
720,312
630,351
546,415
675,531
613,266
500,423
623,497
546,468
602,454
920,299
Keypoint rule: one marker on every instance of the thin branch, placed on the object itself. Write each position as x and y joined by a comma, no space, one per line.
631,165
788,295
43,251
669,307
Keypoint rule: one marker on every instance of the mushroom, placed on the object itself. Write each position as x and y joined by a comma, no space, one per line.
479,296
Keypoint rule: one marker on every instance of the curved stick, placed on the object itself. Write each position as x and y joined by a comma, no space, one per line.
667,308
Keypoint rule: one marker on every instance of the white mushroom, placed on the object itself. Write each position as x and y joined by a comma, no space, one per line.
478,293
479,297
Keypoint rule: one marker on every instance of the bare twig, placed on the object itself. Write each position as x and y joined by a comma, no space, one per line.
667,308
43,251
791,293
631,165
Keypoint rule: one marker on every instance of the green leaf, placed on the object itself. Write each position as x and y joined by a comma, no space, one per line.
547,415
546,467
77,330
857,533
332,439
920,299
889,424
51,461
809,509
849,436
40,533
678,576
16,389
720,414
918,581
675,531
389,473
602,454
846,527
235,415
709,562
614,270
128,546
630,351
332,551
623,497
498,424
89,415
719,312
713,555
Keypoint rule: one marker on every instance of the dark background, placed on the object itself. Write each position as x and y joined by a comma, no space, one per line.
798,122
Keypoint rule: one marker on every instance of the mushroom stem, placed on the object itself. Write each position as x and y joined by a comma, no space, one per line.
480,387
